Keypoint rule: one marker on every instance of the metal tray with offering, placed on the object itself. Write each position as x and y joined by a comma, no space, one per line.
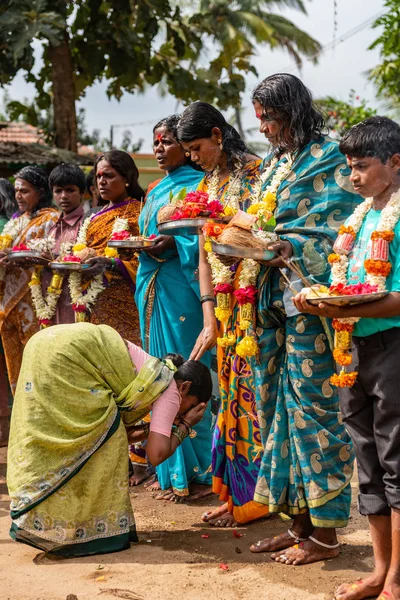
346,300
136,244
18,254
243,252
69,266
192,226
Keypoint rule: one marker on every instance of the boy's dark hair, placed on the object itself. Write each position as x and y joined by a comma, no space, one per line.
377,137
287,95
67,174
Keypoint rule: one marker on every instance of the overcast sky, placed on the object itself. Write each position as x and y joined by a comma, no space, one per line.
338,71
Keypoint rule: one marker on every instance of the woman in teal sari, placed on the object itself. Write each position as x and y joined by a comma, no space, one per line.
308,460
168,299
74,410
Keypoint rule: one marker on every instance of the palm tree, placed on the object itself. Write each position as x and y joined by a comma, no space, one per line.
237,28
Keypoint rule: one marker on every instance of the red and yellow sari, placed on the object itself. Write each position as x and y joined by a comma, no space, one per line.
237,448
17,316
116,305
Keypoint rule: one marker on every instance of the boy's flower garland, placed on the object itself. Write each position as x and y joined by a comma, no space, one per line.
83,298
45,308
377,267
222,276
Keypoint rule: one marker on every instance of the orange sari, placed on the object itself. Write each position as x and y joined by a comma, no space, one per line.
116,305
17,316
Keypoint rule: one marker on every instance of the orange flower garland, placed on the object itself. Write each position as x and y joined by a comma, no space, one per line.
377,267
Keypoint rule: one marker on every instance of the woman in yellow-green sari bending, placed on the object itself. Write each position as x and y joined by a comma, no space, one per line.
73,413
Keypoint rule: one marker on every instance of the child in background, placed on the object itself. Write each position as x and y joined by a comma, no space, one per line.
371,407
68,184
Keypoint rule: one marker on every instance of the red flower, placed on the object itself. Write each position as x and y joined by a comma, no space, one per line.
71,258
79,308
20,248
120,235
45,321
215,207
152,236
197,197
247,294
179,214
223,288
353,290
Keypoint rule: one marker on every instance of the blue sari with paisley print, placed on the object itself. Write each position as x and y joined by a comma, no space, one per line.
308,457
171,318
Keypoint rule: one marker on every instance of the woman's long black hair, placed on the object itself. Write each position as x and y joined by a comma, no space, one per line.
198,120
194,371
124,164
38,178
8,204
293,102
171,124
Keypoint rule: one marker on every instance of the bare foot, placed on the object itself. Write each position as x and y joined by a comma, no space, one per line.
198,490
392,589
304,553
225,520
140,474
214,514
170,496
278,542
364,588
152,485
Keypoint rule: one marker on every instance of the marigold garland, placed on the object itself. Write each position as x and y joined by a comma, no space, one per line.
377,267
344,379
388,236
247,347
342,357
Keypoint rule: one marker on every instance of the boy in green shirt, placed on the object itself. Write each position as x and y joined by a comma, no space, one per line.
371,407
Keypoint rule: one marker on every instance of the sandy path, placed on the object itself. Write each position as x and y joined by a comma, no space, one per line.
172,561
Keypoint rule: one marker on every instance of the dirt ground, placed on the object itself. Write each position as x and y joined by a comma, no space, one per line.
173,561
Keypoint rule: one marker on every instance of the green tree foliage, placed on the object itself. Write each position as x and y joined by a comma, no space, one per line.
203,50
340,116
386,75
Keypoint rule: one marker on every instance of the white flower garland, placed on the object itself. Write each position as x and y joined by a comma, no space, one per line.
84,301
389,217
45,308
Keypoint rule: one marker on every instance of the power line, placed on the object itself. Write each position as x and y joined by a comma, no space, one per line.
339,40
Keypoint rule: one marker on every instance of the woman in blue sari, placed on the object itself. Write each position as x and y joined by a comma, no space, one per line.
168,299
308,460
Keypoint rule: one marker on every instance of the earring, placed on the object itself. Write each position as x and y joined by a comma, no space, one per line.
187,154
220,144
126,184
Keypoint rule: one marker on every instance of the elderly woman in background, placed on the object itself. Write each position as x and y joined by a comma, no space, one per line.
169,304
231,171
113,301
74,411
33,221
8,206
308,462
